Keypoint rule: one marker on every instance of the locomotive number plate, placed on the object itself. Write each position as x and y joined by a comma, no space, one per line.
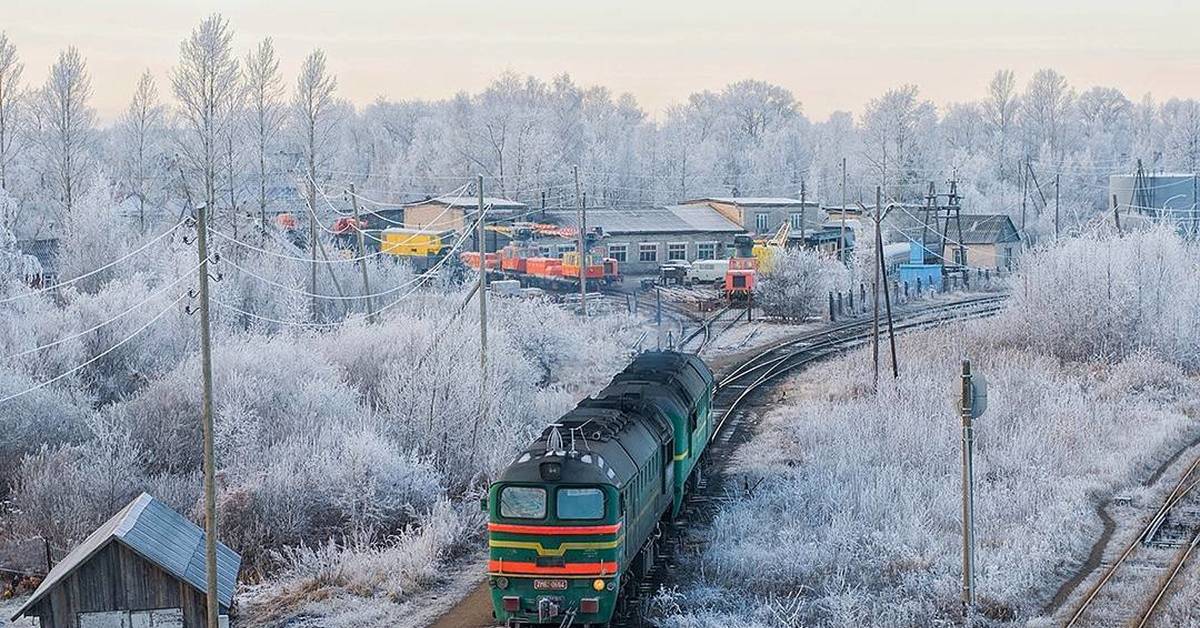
550,585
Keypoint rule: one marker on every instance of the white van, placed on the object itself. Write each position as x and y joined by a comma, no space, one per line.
708,270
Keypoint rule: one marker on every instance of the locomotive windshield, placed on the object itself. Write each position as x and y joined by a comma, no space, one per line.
523,502
579,503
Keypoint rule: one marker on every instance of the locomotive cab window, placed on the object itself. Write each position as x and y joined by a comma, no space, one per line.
579,503
522,502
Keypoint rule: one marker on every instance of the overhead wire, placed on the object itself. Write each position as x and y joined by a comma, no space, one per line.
97,357
96,270
126,311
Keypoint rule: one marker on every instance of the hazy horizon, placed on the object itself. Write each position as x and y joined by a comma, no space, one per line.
827,55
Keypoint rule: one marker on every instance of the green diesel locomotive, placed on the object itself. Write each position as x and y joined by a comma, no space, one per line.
574,517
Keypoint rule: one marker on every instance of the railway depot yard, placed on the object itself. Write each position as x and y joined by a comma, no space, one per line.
316,323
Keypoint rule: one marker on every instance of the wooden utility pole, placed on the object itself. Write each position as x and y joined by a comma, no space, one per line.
1057,179
803,212
842,229
875,289
483,363
206,418
312,243
967,413
582,244
887,296
362,256
1116,215
1024,194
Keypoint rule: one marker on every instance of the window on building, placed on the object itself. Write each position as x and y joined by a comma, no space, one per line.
762,222
565,248
545,251
797,219
706,250
677,250
619,252
648,252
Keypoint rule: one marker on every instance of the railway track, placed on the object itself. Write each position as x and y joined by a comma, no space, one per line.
735,426
1149,565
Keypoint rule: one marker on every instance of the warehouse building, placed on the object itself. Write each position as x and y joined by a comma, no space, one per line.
642,239
762,216
458,212
143,568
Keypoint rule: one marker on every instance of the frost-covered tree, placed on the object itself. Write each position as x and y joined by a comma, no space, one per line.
10,85
1045,114
266,113
897,128
205,83
140,133
67,123
314,118
795,284
1000,112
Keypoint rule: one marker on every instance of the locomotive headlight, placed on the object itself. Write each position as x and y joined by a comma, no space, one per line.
598,585
501,582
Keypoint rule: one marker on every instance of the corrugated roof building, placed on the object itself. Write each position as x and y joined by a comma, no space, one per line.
143,567
642,239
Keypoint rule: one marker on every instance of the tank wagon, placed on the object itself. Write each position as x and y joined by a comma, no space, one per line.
572,521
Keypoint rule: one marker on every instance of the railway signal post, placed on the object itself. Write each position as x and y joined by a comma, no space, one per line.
973,404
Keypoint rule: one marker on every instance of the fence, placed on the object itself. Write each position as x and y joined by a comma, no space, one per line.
844,304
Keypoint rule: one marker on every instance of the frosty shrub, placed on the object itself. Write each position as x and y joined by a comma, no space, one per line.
797,284
855,495
1105,297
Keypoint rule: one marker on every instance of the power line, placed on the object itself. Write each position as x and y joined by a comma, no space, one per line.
98,356
95,271
97,326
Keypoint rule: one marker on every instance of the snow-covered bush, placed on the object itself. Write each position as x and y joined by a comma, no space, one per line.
1106,297
797,284
852,515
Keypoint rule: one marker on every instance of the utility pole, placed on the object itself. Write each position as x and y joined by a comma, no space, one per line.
875,289
1057,179
842,229
1024,194
312,245
1116,215
206,418
362,256
483,379
967,412
803,212
582,224
887,297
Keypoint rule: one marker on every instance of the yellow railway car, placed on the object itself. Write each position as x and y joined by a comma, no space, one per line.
404,242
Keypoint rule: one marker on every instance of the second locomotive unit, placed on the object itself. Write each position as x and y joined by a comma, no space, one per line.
574,517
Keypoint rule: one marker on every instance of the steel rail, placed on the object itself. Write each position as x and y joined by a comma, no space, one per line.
1173,497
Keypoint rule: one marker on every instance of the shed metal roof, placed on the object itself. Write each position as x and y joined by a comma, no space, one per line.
987,229
754,201
161,536
646,220
471,202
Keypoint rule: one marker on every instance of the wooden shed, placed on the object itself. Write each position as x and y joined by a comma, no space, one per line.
144,568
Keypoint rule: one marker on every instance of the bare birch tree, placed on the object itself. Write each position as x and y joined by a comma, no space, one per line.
264,93
140,134
10,82
205,83
67,126
315,116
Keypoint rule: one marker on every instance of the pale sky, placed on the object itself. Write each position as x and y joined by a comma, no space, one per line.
833,54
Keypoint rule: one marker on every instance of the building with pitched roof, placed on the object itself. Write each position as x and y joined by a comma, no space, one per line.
642,239
144,567
762,216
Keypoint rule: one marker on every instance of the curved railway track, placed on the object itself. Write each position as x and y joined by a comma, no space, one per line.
1110,599
734,427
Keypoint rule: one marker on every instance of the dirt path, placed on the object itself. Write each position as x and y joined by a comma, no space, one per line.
1095,556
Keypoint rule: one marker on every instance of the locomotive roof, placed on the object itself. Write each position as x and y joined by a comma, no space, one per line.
603,439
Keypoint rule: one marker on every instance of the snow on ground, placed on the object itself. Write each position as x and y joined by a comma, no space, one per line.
854,518
8,607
